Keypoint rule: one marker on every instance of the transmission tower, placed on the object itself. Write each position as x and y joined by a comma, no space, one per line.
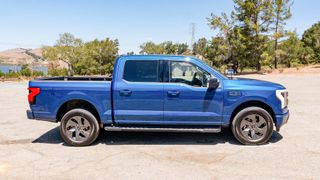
192,32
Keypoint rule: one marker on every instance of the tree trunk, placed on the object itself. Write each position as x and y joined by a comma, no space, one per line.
275,53
70,70
256,56
276,42
258,66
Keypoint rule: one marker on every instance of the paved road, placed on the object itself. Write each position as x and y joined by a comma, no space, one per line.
34,149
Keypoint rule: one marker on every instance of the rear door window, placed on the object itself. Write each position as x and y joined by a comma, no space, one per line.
141,71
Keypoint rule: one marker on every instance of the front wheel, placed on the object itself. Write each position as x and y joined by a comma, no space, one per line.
79,127
252,126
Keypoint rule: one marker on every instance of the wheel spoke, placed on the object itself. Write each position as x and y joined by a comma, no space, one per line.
77,136
85,133
70,132
85,123
71,123
261,131
256,119
246,132
245,123
78,119
252,118
253,134
261,122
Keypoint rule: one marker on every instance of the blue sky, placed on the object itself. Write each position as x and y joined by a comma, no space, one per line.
33,23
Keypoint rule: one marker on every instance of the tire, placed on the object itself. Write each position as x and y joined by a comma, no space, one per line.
79,127
252,126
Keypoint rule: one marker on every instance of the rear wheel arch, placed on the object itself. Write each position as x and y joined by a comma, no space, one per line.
75,104
253,103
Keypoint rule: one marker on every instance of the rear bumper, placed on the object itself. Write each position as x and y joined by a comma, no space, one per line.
282,119
39,116
30,114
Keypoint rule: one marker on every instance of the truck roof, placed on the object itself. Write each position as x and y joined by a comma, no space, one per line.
157,57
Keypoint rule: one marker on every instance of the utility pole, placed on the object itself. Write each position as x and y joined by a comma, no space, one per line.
192,32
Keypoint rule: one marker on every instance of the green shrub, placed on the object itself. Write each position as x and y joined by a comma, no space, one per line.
12,74
26,72
37,73
58,72
1,74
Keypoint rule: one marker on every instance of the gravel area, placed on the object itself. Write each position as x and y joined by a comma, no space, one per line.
34,149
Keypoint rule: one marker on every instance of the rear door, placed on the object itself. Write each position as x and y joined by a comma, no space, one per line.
138,92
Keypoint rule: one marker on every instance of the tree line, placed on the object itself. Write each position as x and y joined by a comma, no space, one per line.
251,36
25,71
254,35
82,58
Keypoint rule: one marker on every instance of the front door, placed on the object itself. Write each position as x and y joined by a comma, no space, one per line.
187,98
139,93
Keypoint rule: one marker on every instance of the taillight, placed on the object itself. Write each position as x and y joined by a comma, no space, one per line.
33,92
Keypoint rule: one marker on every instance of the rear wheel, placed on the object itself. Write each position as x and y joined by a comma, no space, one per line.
252,126
79,127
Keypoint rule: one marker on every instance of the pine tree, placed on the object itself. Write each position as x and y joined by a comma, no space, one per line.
254,18
281,12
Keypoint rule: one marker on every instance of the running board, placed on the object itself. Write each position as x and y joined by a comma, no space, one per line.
155,129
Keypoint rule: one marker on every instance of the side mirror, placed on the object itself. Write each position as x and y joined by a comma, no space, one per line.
213,83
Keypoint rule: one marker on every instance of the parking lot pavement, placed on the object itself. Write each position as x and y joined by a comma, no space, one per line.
34,149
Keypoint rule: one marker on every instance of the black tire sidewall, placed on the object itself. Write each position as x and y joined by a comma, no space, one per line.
91,119
247,111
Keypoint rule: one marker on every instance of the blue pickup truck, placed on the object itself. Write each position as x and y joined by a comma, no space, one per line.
159,93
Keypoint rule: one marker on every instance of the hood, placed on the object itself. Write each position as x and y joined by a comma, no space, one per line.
254,83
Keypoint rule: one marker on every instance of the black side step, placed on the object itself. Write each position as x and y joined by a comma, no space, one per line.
163,129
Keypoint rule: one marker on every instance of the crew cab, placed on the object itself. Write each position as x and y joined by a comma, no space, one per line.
159,93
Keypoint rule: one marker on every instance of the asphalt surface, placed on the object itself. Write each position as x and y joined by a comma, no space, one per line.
34,149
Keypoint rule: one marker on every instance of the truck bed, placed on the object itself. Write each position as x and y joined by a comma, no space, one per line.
75,78
56,91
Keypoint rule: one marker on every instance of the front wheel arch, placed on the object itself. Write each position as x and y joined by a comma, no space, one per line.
253,103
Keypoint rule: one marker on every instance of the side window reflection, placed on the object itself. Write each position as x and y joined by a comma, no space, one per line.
184,72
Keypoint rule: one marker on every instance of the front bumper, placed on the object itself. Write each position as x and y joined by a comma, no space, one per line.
30,114
282,119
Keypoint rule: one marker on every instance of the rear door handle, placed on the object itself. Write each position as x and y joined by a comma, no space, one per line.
173,93
125,92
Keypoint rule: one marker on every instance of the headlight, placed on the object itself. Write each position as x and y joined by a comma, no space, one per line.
282,95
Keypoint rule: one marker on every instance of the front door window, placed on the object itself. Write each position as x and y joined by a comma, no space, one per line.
187,73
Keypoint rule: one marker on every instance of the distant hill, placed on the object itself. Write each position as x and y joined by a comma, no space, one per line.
22,56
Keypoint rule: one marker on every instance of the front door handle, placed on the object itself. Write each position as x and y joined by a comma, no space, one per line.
125,92
173,93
